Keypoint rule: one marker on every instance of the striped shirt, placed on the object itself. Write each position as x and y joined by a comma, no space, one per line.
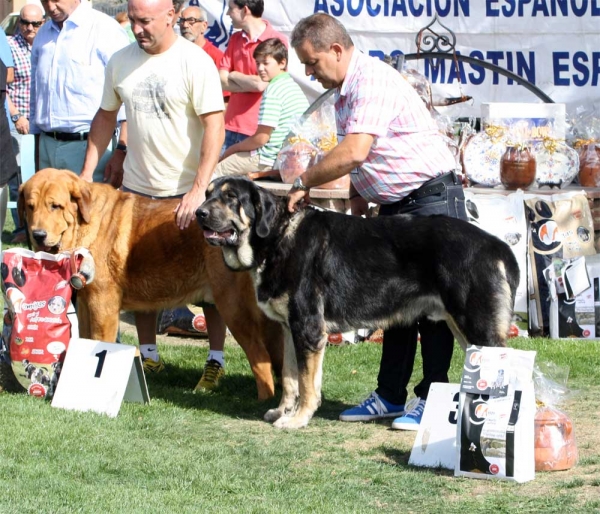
19,89
408,149
282,103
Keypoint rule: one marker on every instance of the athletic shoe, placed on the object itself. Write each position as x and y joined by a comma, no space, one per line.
152,366
374,407
213,372
412,417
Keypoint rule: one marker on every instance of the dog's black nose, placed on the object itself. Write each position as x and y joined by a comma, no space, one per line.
39,236
201,213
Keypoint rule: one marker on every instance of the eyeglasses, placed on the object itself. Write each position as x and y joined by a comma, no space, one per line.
191,21
27,22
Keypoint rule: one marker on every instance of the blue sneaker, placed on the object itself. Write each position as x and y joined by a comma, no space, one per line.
412,417
374,407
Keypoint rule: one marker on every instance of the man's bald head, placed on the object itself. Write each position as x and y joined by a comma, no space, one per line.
152,24
30,13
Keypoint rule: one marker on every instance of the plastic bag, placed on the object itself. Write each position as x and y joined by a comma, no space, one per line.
308,141
555,445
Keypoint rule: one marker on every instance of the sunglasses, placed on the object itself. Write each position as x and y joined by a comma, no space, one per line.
27,22
191,21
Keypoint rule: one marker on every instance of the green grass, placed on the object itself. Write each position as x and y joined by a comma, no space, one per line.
191,453
212,452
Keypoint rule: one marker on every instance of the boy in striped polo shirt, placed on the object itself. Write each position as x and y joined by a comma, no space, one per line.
282,103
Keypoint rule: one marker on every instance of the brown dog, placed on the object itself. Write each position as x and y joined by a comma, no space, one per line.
144,262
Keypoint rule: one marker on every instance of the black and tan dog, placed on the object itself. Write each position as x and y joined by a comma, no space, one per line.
318,272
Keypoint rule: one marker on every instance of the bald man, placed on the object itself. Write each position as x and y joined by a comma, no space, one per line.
174,105
31,18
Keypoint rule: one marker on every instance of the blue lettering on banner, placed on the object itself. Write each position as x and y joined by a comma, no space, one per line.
387,8
445,71
587,68
546,8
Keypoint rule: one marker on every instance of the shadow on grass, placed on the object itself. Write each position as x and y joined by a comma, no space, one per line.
401,458
235,397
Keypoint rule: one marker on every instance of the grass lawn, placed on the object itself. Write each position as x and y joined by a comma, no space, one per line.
196,453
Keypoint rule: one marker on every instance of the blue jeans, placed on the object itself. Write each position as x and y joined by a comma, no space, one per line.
15,182
442,195
231,138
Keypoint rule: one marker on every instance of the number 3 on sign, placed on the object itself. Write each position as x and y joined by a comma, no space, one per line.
96,376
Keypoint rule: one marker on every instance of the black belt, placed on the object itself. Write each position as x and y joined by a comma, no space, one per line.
68,136
433,187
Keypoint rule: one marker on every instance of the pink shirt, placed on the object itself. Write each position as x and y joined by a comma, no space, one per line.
242,111
408,149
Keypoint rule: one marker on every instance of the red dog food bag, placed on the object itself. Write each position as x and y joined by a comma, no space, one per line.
39,318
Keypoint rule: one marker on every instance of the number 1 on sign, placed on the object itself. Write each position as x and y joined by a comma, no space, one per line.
101,356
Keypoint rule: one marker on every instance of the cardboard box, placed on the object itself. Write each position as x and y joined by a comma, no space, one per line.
533,121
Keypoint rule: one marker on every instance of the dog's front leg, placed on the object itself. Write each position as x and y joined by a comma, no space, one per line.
101,314
289,396
310,375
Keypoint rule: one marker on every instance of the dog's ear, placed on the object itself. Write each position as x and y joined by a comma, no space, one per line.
265,208
82,194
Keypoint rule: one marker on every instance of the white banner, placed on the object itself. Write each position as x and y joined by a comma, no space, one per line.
554,44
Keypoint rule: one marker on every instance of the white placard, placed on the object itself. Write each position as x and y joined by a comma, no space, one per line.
435,444
97,376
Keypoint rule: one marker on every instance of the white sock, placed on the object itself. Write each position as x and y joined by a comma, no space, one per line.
149,350
218,356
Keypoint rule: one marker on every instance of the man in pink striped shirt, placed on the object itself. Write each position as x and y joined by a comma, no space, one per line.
396,157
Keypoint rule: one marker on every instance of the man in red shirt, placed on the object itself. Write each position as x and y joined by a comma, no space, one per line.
193,24
238,68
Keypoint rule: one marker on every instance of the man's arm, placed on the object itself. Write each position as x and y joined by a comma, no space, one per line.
22,124
10,75
237,82
341,160
113,171
214,136
101,131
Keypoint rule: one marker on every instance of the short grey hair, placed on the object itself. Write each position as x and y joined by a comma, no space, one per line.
321,31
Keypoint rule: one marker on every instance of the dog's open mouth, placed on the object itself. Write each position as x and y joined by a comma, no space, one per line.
227,237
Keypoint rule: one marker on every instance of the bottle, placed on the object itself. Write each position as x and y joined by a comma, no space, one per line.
517,168
589,166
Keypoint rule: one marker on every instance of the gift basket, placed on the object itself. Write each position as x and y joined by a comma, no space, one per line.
586,141
309,141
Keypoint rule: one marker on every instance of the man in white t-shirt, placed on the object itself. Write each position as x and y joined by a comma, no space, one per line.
174,108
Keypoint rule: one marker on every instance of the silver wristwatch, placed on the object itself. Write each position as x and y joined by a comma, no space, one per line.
299,185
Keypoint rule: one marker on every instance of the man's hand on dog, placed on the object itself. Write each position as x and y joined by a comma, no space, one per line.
186,210
113,172
295,197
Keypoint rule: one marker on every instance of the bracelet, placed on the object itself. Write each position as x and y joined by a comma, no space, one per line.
122,147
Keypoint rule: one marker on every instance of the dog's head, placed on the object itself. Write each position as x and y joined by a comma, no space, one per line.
236,214
54,202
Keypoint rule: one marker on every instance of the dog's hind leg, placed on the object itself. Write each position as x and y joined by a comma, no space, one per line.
289,397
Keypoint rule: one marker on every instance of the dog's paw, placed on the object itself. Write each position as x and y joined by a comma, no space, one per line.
273,415
291,423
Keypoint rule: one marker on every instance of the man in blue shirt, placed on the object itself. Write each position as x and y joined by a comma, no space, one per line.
68,59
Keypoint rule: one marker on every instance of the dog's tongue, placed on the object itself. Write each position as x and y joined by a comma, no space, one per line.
211,234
